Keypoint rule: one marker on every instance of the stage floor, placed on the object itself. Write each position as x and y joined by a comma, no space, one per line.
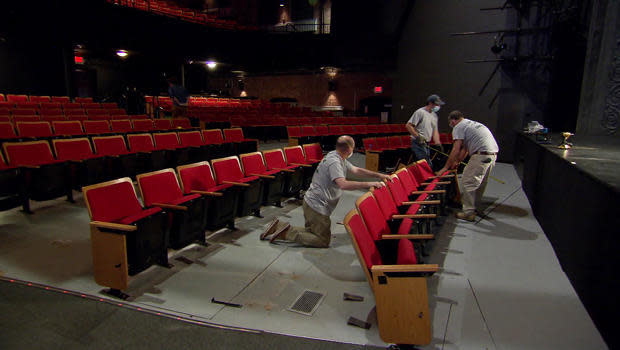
500,284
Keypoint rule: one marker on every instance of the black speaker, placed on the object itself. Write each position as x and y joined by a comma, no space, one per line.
331,86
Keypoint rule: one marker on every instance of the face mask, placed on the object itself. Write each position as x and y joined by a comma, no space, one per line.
436,109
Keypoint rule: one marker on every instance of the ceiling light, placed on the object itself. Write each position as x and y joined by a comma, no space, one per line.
122,53
281,5
211,64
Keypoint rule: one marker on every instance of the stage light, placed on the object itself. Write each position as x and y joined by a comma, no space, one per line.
122,53
211,64
281,5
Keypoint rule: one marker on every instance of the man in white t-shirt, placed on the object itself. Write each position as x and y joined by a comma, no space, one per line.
328,182
423,128
475,139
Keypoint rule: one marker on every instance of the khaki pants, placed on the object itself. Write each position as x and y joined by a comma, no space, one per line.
317,232
474,180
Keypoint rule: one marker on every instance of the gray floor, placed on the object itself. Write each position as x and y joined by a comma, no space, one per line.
500,286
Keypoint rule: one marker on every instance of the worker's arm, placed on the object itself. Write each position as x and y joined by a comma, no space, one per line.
347,185
412,130
453,158
368,173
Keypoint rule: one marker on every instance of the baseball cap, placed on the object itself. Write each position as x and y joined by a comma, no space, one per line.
435,99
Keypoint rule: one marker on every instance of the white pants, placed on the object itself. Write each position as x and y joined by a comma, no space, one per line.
474,180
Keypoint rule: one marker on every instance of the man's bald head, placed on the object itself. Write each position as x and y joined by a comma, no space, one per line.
345,145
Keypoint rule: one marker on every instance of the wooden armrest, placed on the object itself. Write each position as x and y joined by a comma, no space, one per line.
414,216
236,183
423,202
207,193
286,170
429,192
264,176
170,206
405,268
436,183
304,165
426,236
76,160
441,176
30,166
113,226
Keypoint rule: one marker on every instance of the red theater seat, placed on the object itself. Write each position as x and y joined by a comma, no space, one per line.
44,177
34,129
69,128
243,145
122,162
139,235
142,124
61,99
86,167
221,199
254,165
17,98
96,126
228,171
392,284
121,126
181,123
314,152
188,212
83,100
293,175
143,143
163,124
175,153
7,131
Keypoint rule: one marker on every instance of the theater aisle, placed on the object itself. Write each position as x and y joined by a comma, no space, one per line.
501,283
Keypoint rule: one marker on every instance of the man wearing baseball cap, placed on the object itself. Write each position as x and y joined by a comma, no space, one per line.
423,128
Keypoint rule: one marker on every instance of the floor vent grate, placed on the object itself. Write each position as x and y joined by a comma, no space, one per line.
307,302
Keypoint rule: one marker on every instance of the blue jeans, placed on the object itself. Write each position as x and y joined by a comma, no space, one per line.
421,152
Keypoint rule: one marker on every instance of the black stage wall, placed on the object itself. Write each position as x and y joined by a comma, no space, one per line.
575,195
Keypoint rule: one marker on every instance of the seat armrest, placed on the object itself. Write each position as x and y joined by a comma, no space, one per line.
170,206
429,202
263,176
304,165
113,226
207,193
236,183
428,268
420,237
414,216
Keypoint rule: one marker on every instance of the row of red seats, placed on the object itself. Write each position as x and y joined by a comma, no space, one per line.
57,105
4,112
35,129
171,9
42,99
390,228
68,117
98,158
177,207
349,129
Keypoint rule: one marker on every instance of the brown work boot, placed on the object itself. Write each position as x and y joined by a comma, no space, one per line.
465,216
270,229
280,233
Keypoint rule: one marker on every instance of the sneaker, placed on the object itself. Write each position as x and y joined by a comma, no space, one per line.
468,217
280,234
272,227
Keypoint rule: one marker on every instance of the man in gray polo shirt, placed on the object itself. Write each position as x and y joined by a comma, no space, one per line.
328,182
475,139
423,128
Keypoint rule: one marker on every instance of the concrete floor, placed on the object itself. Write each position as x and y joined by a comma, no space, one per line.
500,285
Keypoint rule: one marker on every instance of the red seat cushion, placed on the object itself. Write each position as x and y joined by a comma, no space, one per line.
367,246
137,216
159,188
114,202
406,253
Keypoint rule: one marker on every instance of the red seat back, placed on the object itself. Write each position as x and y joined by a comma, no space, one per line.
191,138
67,127
408,182
308,130
227,169
72,149
213,136
141,142
313,151
294,155
196,177
83,99
253,163
142,124
61,99
123,126
322,130
110,145
166,140
28,153
26,118
395,141
111,201
382,142
182,123
163,124
24,112
34,129
293,131
274,159
97,112
159,187
39,98
7,131
385,201
96,126
396,188
362,240
370,143
233,135
17,98
372,215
